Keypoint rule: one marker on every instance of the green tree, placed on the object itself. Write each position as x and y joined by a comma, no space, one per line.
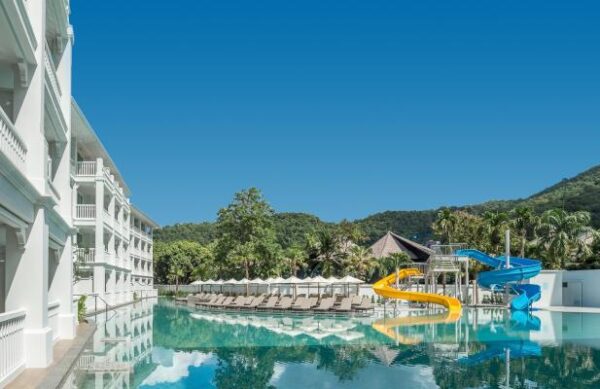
446,225
180,261
393,263
360,263
294,259
524,222
492,228
246,238
565,237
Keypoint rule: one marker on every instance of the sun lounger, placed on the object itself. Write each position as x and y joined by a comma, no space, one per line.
365,305
356,300
270,304
309,304
218,302
256,302
326,304
299,303
345,305
213,298
237,302
284,303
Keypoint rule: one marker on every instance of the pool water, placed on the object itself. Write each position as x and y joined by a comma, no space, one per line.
173,346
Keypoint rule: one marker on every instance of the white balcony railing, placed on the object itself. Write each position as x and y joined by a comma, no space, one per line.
51,69
53,309
86,168
12,356
11,144
86,211
86,255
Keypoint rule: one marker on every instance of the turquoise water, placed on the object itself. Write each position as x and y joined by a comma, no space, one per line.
185,347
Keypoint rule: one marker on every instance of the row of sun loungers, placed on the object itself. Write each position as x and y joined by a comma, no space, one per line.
284,303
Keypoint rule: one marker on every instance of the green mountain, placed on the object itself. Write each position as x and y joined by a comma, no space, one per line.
580,193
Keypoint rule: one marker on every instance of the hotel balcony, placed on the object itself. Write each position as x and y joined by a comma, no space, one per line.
57,18
56,123
18,43
12,146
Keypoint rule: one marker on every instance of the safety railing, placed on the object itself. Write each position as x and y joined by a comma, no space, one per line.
12,355
86,211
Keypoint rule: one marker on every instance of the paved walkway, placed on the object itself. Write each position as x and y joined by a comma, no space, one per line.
65,354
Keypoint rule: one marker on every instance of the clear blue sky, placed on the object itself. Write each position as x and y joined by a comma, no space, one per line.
339,108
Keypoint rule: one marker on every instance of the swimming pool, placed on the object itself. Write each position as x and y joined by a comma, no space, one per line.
164,345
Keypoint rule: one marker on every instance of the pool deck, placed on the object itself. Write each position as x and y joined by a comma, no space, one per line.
65,354
558,308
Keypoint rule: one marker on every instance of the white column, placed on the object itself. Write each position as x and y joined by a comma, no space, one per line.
29,290
99,276
62,290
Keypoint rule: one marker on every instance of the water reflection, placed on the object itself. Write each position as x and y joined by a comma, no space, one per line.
489,348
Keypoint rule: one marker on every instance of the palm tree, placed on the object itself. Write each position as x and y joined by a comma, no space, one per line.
524,222
360,262
393,263
295,259
565,236
176,273
493,227
325,251
446,224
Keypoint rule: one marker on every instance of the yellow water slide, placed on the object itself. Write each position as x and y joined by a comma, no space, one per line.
384,288
388,326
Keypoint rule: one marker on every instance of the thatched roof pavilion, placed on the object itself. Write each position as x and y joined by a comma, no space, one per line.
392,243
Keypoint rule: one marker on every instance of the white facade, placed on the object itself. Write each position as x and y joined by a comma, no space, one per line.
40,185
568,288
114,239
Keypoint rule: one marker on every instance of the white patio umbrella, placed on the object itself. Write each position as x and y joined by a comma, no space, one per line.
199,284
293,280
244,281
231,281
219,282
276,281
319,281
349,280
258,282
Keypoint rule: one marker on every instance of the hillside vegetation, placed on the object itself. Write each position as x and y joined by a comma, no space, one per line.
580,193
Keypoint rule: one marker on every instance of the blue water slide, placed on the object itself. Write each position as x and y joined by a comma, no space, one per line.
520,269
518,349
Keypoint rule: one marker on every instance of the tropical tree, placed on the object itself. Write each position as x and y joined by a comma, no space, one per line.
446,225
295,259
325,252
360,263
565,237
181,261
177,272
393,263
493,226
246,238
524,222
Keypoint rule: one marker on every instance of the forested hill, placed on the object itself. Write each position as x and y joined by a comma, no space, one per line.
578,193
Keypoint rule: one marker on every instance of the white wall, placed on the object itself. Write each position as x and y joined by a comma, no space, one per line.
551,283
590,280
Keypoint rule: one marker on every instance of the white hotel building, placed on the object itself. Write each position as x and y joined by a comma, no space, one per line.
62,199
